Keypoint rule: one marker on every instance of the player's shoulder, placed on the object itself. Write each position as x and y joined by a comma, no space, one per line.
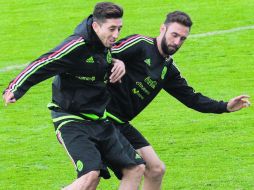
70,44
131,40
142,38
172,65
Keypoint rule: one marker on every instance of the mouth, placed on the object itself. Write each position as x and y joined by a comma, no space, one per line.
111,42
172,47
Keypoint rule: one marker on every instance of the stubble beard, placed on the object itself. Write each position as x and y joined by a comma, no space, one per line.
167,49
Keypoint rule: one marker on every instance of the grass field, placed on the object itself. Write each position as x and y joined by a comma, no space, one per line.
201,151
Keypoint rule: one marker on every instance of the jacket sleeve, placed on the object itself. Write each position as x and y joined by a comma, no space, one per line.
177,86
54,62
128,48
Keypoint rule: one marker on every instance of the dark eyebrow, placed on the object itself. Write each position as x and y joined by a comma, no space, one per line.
182,37
114,26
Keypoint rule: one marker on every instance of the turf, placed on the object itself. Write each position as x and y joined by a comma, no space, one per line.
201,151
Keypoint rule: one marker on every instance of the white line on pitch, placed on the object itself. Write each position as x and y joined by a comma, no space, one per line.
218,32
12,67
213,33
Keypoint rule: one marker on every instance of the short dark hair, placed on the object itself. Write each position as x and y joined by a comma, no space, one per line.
179,17
106,10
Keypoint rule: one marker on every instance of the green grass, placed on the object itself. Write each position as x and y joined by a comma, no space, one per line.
201,151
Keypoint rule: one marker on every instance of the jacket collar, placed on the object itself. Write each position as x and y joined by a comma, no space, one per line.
85,30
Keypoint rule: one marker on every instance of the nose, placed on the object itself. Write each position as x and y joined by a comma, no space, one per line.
177,41
115,34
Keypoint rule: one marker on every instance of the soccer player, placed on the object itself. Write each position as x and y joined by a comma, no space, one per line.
150,68
81,65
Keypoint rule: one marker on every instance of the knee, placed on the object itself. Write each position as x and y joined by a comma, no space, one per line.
155,171
92,177
135,171
139,169
90,180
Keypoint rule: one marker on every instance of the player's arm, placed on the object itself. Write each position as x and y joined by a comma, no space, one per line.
238,103
178,87
117,71
54,62
128,48
123,52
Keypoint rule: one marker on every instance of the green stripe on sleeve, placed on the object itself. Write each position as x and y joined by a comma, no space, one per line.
47,62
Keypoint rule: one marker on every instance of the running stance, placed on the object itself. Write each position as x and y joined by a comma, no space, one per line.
81,66
150,68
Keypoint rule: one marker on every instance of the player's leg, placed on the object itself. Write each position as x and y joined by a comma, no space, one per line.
83,153
132,177
122,158
88,181
155,168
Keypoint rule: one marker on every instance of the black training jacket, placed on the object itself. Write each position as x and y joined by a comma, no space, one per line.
80,65
147,72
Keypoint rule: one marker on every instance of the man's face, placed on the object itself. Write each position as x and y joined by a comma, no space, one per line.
173,36
108,31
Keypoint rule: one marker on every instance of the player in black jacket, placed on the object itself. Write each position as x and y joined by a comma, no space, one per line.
150,68
82,64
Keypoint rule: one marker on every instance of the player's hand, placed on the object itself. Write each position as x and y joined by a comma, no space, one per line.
117,71
8,97
238,103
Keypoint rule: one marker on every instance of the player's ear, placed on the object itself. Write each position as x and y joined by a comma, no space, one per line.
162,28
95,26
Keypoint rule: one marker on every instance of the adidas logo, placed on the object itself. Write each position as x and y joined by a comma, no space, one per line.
137,156
148,62
90,60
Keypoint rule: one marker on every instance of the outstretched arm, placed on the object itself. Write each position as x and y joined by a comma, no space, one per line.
238,103
177,86
56,61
